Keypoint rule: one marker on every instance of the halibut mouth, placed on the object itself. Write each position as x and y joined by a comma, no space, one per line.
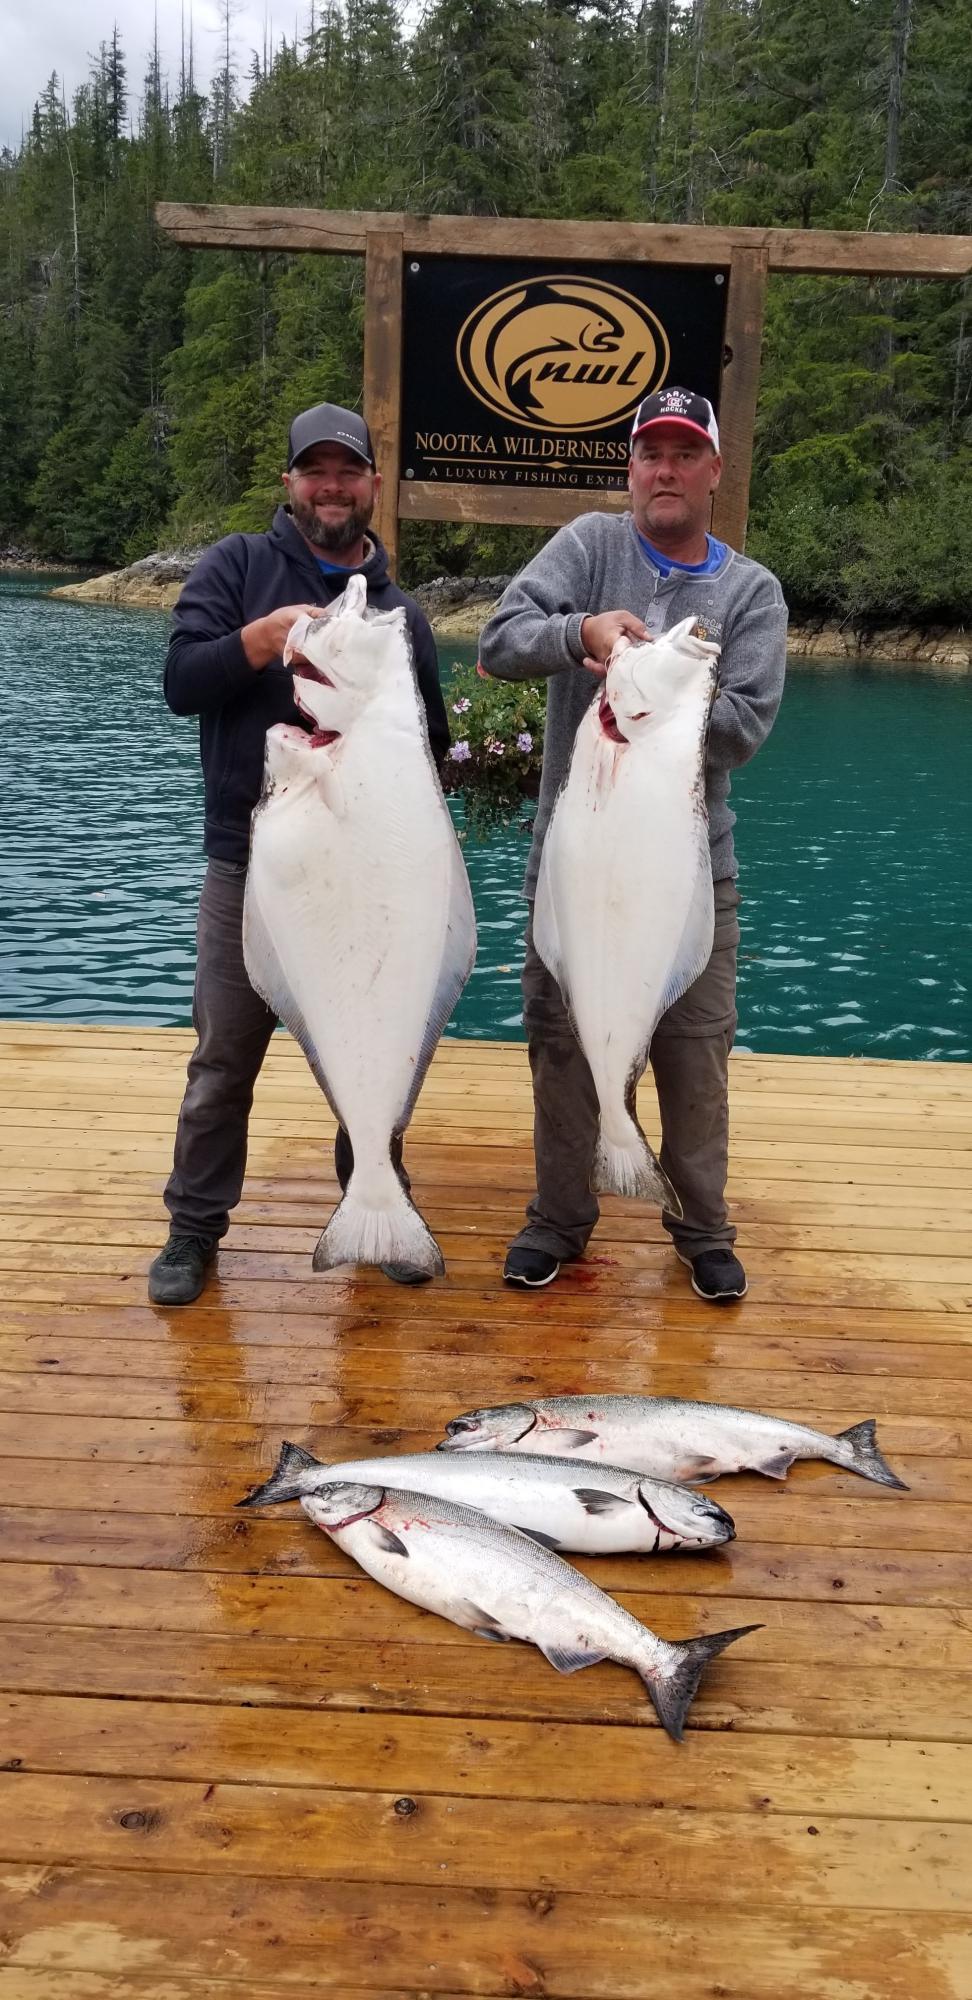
609,722
304,669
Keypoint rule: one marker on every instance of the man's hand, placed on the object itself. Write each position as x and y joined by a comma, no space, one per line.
600,635
266,638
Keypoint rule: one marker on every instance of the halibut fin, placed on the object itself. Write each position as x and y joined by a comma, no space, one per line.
376,1222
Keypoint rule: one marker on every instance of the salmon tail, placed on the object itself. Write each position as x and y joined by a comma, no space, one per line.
377,1223
864,1456
288,1480
632,1169
672,1688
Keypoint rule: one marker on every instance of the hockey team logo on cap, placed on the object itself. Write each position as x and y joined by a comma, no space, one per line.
674,403
563,353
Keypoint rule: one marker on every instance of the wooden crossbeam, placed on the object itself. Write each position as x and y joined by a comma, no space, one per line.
219,226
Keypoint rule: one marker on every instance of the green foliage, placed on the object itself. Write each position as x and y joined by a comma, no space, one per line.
497,747
145,393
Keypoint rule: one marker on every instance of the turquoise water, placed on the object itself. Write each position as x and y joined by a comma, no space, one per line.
853,842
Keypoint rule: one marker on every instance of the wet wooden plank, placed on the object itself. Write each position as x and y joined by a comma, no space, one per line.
765,1697
576,1762
537,1942
613,1849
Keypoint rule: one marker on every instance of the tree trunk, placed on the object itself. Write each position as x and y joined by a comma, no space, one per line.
899,60
691,184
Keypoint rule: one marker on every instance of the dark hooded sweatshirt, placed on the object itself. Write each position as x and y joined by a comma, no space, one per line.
208,674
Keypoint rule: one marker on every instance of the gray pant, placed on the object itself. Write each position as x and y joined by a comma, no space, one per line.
690,1059
233,1029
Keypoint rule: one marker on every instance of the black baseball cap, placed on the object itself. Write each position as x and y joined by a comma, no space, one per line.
327,423
677,406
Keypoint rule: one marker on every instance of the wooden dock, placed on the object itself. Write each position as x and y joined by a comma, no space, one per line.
233,1769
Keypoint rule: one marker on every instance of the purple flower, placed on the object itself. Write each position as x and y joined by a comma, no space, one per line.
460,753
495,748
459,707
524,741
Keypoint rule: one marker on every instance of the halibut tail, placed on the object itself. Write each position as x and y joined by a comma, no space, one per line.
378,1223
865,1457
673,1691
631,1168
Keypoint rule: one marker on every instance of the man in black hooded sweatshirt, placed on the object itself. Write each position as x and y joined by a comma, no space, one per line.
225,665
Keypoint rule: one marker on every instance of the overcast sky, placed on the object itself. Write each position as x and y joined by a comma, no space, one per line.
39,36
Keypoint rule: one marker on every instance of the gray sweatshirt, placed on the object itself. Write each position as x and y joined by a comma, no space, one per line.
598,564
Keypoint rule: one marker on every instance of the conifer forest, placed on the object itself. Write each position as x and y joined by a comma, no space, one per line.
145,391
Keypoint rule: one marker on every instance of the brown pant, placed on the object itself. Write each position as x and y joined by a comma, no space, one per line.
689,1057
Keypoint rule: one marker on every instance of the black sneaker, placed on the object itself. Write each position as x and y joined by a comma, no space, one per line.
717,1275
178,1273
530,1267
405,1274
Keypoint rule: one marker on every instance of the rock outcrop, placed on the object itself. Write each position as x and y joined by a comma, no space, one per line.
458,606
150,585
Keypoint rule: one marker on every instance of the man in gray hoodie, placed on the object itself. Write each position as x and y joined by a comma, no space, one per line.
640,573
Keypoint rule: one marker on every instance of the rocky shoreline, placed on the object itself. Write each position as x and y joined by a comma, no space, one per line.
458,606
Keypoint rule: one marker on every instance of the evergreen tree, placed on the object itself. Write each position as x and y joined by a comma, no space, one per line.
145,392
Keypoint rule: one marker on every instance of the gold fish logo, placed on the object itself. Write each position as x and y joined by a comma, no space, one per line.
562,353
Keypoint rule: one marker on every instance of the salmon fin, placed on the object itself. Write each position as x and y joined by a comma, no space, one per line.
695,945
673,1689
386,1540
595,1501
458,959
265,974
389,1230
284,1482
777,1465
865,1456
568,1660
572,1440
545,1541
485,1625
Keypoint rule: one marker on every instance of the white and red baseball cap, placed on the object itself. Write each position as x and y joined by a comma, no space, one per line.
677,406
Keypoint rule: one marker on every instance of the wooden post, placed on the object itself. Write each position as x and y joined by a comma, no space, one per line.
384,279
739,390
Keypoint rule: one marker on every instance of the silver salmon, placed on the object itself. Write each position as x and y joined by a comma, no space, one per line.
500,1584
603,1510
666,1437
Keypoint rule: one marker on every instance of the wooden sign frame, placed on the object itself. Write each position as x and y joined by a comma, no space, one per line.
386,240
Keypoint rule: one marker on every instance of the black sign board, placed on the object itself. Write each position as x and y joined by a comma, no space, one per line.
524,374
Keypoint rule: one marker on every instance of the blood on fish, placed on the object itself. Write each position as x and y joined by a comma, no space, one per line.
607,720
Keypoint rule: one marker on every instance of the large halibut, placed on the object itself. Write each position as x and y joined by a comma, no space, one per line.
358,926
624,908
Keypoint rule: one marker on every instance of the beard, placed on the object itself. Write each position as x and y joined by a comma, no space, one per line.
333,537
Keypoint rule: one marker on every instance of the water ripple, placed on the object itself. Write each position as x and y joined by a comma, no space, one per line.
853,841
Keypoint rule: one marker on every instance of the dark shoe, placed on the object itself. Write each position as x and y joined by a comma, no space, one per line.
178,1273
717,1275
530,1267
405,1274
